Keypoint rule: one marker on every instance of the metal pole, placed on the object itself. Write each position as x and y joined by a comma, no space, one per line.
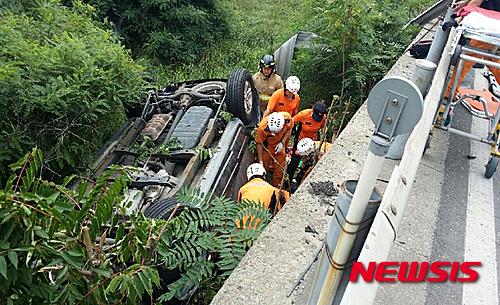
383,231
439,40
328,276
395,106
422,76
423,73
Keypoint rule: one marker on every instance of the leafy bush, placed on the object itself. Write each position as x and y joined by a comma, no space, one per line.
64,83
168,31
254,30
71,246
358,44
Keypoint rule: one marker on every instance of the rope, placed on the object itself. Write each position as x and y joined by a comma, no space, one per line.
392,226
333,263
284,169
267,150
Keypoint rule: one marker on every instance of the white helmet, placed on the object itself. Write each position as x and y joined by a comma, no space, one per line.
305,147
255,169
292,84
275,122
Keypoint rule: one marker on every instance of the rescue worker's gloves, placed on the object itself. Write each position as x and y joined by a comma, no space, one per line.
267,61
279,148
319,110
292,84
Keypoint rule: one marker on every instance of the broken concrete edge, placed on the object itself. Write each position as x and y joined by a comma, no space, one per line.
269,273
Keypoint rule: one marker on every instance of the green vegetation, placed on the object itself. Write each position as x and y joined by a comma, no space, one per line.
256,28
64,84
66,81
167,31
65,246
359,42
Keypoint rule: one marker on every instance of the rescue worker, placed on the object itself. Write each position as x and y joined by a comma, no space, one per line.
271,137
266,81
489,5
259,191
286,99
306,149
307,124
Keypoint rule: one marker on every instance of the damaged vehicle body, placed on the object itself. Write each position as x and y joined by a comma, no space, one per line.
187,121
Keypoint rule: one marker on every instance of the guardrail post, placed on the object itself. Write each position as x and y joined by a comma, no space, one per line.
395,106
422,76
439,41
389,216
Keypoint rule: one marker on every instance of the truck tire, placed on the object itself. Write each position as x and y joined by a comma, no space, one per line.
162,209
242,98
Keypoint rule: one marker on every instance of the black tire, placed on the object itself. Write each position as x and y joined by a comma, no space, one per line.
242,98
491,167
162,209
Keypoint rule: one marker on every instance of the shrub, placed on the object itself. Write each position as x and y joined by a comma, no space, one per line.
358,44
167,31
60,245
64,83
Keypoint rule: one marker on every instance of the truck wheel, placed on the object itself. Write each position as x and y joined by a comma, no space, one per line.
242,98
162,209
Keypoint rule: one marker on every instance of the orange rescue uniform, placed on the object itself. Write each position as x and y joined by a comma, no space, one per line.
259,191
273,161
309,127
279,103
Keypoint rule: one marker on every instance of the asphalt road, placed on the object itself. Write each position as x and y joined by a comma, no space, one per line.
453,215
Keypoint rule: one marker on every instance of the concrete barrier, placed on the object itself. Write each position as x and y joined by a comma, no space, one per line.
270,270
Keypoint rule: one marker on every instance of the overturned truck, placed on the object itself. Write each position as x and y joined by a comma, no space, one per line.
164,139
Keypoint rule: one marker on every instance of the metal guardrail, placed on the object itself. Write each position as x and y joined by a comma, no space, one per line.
385,226
395,107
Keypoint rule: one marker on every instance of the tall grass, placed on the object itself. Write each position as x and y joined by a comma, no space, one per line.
359,42
256,28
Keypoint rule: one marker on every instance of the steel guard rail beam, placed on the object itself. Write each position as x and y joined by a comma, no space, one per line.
385,226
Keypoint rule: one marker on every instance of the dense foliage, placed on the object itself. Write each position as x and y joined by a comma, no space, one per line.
61,245
167,31
359,42
64,83
255,28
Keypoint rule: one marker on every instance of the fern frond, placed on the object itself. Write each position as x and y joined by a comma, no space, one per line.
193,197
